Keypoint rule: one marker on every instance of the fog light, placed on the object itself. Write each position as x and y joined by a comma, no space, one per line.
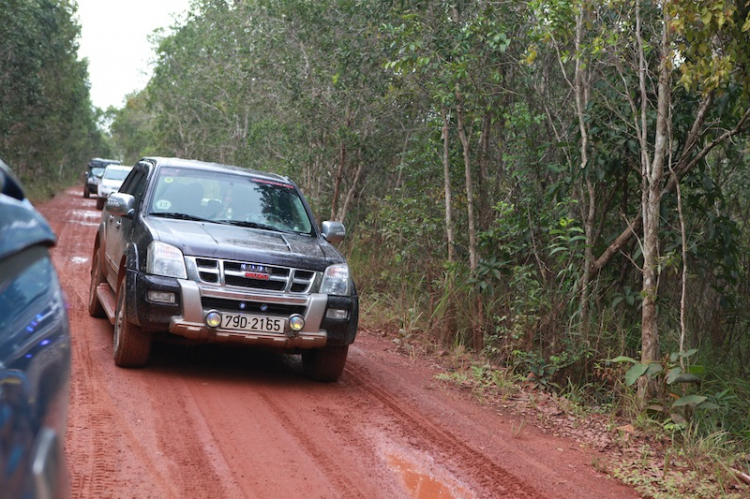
161,296
213,319
296,322
337,313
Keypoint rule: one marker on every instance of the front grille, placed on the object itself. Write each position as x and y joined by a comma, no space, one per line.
252,307
254,276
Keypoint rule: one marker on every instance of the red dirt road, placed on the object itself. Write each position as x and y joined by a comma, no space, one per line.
205,422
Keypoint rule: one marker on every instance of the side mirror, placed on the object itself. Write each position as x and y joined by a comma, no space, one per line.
333,232
121,205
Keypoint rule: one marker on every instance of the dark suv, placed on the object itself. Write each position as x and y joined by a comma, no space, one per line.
93,175
204,252
34,353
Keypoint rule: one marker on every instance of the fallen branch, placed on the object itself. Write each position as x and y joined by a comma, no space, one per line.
744,477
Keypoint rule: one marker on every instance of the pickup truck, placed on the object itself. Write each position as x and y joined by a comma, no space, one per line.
202,252
93,175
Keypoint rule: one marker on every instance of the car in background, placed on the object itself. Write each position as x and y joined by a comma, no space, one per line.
34,353
93,175
110,182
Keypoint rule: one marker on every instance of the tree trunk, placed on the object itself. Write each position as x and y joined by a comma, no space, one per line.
469,186
581,91
447,183
340,171
484,214
352,188
652,172
337,180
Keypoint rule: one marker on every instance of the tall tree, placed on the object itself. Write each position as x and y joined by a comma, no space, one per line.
47,124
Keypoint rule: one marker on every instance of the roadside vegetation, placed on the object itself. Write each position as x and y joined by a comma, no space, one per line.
554,192
48,128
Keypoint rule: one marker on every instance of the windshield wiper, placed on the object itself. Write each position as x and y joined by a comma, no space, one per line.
245,223
181,216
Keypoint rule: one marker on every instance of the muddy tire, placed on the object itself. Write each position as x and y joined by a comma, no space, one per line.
100,203
97,277
131,346
324,364
86,192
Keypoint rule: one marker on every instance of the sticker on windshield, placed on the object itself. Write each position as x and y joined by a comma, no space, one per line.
168,180
163,204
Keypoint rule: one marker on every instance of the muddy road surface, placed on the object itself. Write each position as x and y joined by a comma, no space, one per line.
206,422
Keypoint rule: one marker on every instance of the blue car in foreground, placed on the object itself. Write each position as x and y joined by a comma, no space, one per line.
34,353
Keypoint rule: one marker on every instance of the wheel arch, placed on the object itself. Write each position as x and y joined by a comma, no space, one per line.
128,271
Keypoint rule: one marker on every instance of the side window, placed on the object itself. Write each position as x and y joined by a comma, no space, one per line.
128,182
138,187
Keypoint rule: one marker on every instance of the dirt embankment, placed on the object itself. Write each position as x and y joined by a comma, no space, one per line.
205,422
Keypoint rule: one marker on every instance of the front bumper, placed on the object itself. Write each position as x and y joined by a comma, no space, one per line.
104,192
92,184
186,317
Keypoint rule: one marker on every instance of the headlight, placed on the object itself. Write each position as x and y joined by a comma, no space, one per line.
336,280
165,259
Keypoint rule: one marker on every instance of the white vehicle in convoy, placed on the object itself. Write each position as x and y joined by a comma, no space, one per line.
112,179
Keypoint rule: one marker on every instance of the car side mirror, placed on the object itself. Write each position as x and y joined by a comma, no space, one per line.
121,205
333,232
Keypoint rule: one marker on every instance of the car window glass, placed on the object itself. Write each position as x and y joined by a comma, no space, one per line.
229,197
27,286
115,174
128,182
139,187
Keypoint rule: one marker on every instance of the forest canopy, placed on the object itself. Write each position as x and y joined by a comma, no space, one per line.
535,180
48,128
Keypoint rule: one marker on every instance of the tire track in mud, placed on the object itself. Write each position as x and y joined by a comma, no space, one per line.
316,449
94,431
95,428
193,463
494,480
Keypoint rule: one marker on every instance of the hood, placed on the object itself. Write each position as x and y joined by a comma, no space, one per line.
211,240
21,226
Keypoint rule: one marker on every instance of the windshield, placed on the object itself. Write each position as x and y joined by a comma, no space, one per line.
97,172
230,199
116,174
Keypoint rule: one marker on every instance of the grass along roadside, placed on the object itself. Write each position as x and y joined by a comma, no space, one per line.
658,459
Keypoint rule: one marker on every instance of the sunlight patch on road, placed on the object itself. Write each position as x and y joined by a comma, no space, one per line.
85,223
84,214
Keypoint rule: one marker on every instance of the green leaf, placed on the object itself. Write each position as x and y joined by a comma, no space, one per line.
689,400
709,406
654,369
622,358
673,374
689,353
685,378
634,373
697,369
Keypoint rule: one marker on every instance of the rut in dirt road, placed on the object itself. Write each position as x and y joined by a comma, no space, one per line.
217,422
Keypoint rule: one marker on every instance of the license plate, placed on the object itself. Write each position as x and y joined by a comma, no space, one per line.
256,323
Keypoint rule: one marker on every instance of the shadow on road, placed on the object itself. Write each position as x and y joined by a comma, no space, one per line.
228,363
